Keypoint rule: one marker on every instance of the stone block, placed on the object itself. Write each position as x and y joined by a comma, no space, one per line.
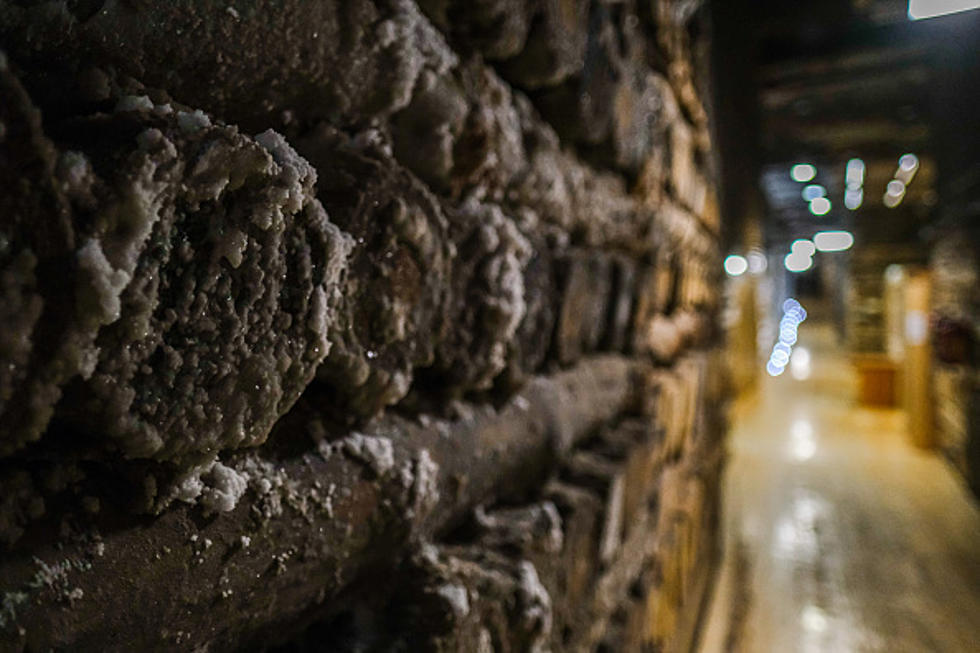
613,588
585,282
618,331
638,446
571,575
465,598
607,480
683,176
487,294
529,348
531,530
670,20
498,29
555,46
655,290
461,129
393,310
667,404
616,109
210,271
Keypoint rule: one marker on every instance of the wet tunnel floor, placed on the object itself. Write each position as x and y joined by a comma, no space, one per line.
839,535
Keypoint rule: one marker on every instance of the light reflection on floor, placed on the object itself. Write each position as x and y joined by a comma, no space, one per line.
839,535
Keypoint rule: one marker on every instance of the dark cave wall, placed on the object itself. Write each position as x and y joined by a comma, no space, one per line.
364,325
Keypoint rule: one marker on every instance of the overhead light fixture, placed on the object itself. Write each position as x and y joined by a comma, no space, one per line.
736,265
894,193
895,187
919,9
833,241
853,197
908,164
798,262
813,191
854,175
804,246
803,172
782,351
820,206
891,201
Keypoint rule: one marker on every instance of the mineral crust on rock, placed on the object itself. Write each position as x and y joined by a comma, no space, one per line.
368,324
394,306
212,273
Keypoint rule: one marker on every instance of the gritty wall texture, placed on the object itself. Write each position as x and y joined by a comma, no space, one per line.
359,325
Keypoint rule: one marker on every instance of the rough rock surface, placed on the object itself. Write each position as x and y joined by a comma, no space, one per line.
268,63
394,306
36,237
379,322
195,245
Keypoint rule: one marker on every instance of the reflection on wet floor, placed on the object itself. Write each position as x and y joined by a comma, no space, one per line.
839,534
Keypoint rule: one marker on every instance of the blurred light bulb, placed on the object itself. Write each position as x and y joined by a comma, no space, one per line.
833,241
757,262
908,162
798,262
813,191
803,245
853,198
891,201
854,176
803,172
774,369
896,188
820,206
736,265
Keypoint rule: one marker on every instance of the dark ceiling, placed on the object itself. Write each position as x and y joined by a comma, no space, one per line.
821,83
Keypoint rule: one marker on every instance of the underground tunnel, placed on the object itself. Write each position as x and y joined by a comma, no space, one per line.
489,325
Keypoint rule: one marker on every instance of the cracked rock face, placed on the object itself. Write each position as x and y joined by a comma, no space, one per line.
211,274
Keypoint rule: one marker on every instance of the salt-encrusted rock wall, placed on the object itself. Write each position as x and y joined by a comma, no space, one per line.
363,325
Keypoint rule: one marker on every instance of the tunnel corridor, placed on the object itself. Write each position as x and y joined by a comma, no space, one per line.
839,534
